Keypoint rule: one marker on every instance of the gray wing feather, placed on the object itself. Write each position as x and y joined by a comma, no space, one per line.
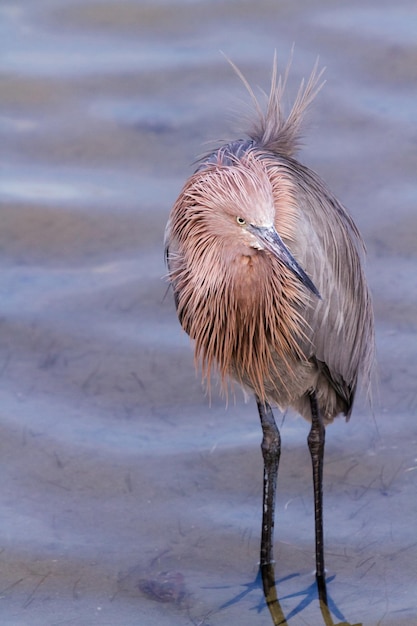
342,321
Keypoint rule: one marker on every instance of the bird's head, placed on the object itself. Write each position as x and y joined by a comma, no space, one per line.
240,205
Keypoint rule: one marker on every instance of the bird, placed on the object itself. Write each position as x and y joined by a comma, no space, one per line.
267,271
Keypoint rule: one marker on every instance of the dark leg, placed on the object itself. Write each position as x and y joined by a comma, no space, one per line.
271,450
315,441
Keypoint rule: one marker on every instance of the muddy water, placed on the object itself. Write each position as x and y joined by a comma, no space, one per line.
126,498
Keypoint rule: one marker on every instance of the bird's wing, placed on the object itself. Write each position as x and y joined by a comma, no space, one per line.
331,251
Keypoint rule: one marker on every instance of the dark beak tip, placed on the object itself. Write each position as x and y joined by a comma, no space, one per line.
307,282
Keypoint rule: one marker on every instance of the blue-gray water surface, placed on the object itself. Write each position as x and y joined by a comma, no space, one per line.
127,496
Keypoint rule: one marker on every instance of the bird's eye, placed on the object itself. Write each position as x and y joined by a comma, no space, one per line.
240,221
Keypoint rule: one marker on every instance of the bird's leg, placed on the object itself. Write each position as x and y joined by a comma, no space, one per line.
271,450
315,441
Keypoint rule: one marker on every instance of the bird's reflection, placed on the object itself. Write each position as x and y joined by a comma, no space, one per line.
254,585
317,590
308,595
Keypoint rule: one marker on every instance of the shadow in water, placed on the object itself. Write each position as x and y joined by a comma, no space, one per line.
317,590
254,585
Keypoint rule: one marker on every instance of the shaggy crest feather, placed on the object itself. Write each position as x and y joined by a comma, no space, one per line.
272,129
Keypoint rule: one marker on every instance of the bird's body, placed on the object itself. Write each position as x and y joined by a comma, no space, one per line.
265,265
249,315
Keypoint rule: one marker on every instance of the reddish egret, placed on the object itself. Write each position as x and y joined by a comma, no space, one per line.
265,265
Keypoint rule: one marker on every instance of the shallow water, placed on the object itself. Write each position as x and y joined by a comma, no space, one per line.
115,469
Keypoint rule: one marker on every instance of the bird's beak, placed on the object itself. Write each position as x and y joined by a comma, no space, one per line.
269,239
